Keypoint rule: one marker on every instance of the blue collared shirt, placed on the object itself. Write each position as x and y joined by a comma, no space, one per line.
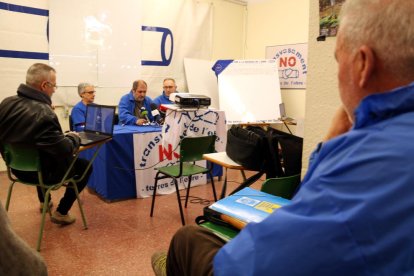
353,214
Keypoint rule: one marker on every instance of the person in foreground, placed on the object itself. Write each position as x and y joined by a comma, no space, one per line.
16,257
169,87
353,212
135,107
87,93
28,118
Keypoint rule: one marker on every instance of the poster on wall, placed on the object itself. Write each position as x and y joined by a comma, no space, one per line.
292,63
328,16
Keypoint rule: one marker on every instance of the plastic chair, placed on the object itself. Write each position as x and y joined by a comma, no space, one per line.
70,123
26,158
281,186
191,150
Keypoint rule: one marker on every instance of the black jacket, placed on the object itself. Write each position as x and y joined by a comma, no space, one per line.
28,118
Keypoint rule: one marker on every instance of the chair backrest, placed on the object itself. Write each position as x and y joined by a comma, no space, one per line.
193,148
281,186
70,123
21,157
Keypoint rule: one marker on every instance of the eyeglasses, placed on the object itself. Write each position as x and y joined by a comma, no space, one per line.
168,87
52,84
90,92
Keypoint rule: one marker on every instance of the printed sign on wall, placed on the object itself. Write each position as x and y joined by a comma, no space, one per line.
292,62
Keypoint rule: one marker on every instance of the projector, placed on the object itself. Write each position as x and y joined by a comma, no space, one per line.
191,100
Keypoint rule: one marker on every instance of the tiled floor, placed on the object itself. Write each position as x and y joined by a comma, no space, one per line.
121,236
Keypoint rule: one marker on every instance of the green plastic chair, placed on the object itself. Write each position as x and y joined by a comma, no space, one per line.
191,150
26,158
281,186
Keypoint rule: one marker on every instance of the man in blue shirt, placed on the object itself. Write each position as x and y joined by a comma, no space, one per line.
78,114
353,212
169,87
135,107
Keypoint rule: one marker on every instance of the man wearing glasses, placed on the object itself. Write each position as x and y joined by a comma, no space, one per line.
28,118
78,115
169,87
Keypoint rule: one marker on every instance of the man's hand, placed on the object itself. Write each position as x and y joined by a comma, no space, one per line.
340,124
140,122
72,132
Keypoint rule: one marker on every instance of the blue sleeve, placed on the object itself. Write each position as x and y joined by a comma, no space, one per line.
78,118
157,101
126,109
291,242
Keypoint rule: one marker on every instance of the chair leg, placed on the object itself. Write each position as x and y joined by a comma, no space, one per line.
75,187
9,195
179,201
213,186
188,191
42,222
153,194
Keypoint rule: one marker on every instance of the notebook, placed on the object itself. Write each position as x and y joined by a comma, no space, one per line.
99,124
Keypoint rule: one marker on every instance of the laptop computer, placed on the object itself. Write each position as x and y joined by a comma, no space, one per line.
99,124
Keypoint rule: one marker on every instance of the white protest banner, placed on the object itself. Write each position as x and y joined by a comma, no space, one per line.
162,149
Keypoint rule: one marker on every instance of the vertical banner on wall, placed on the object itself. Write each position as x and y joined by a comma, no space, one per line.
97,42
174,30
161,149
292,62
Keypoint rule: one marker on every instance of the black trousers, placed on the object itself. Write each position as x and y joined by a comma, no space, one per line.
70,196
192,250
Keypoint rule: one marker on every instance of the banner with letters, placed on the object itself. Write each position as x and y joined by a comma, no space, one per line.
292,61
107,43
153,150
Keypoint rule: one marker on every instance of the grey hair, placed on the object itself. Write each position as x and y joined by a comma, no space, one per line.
384,25
135,84
37,73
82,86
171,79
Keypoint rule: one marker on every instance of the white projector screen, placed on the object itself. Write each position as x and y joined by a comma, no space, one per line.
249,91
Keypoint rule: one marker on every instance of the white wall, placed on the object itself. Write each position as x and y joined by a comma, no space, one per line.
227,42
244,32
322,93
275,22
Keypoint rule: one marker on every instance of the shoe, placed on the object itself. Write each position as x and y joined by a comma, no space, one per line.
159,263
58,218
41,206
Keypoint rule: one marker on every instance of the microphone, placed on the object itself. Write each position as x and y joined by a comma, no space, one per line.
155,113
144,113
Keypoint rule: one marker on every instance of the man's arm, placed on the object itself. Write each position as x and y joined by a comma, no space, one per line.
78,118
125,115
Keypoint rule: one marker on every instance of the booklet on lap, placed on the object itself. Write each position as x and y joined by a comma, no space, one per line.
249,205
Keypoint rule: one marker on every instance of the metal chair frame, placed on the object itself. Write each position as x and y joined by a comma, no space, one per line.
191,150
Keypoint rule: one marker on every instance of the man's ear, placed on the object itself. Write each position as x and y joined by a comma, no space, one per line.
366,61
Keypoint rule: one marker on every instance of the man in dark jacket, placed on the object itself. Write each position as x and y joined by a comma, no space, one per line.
28,118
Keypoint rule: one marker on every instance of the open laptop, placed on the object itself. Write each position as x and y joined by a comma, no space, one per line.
99,124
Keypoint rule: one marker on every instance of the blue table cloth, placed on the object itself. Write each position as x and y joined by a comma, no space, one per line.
113,175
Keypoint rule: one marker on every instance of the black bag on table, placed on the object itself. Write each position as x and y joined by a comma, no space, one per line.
257,149
246,147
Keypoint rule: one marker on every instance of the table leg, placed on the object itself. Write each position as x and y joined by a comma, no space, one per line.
223,191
